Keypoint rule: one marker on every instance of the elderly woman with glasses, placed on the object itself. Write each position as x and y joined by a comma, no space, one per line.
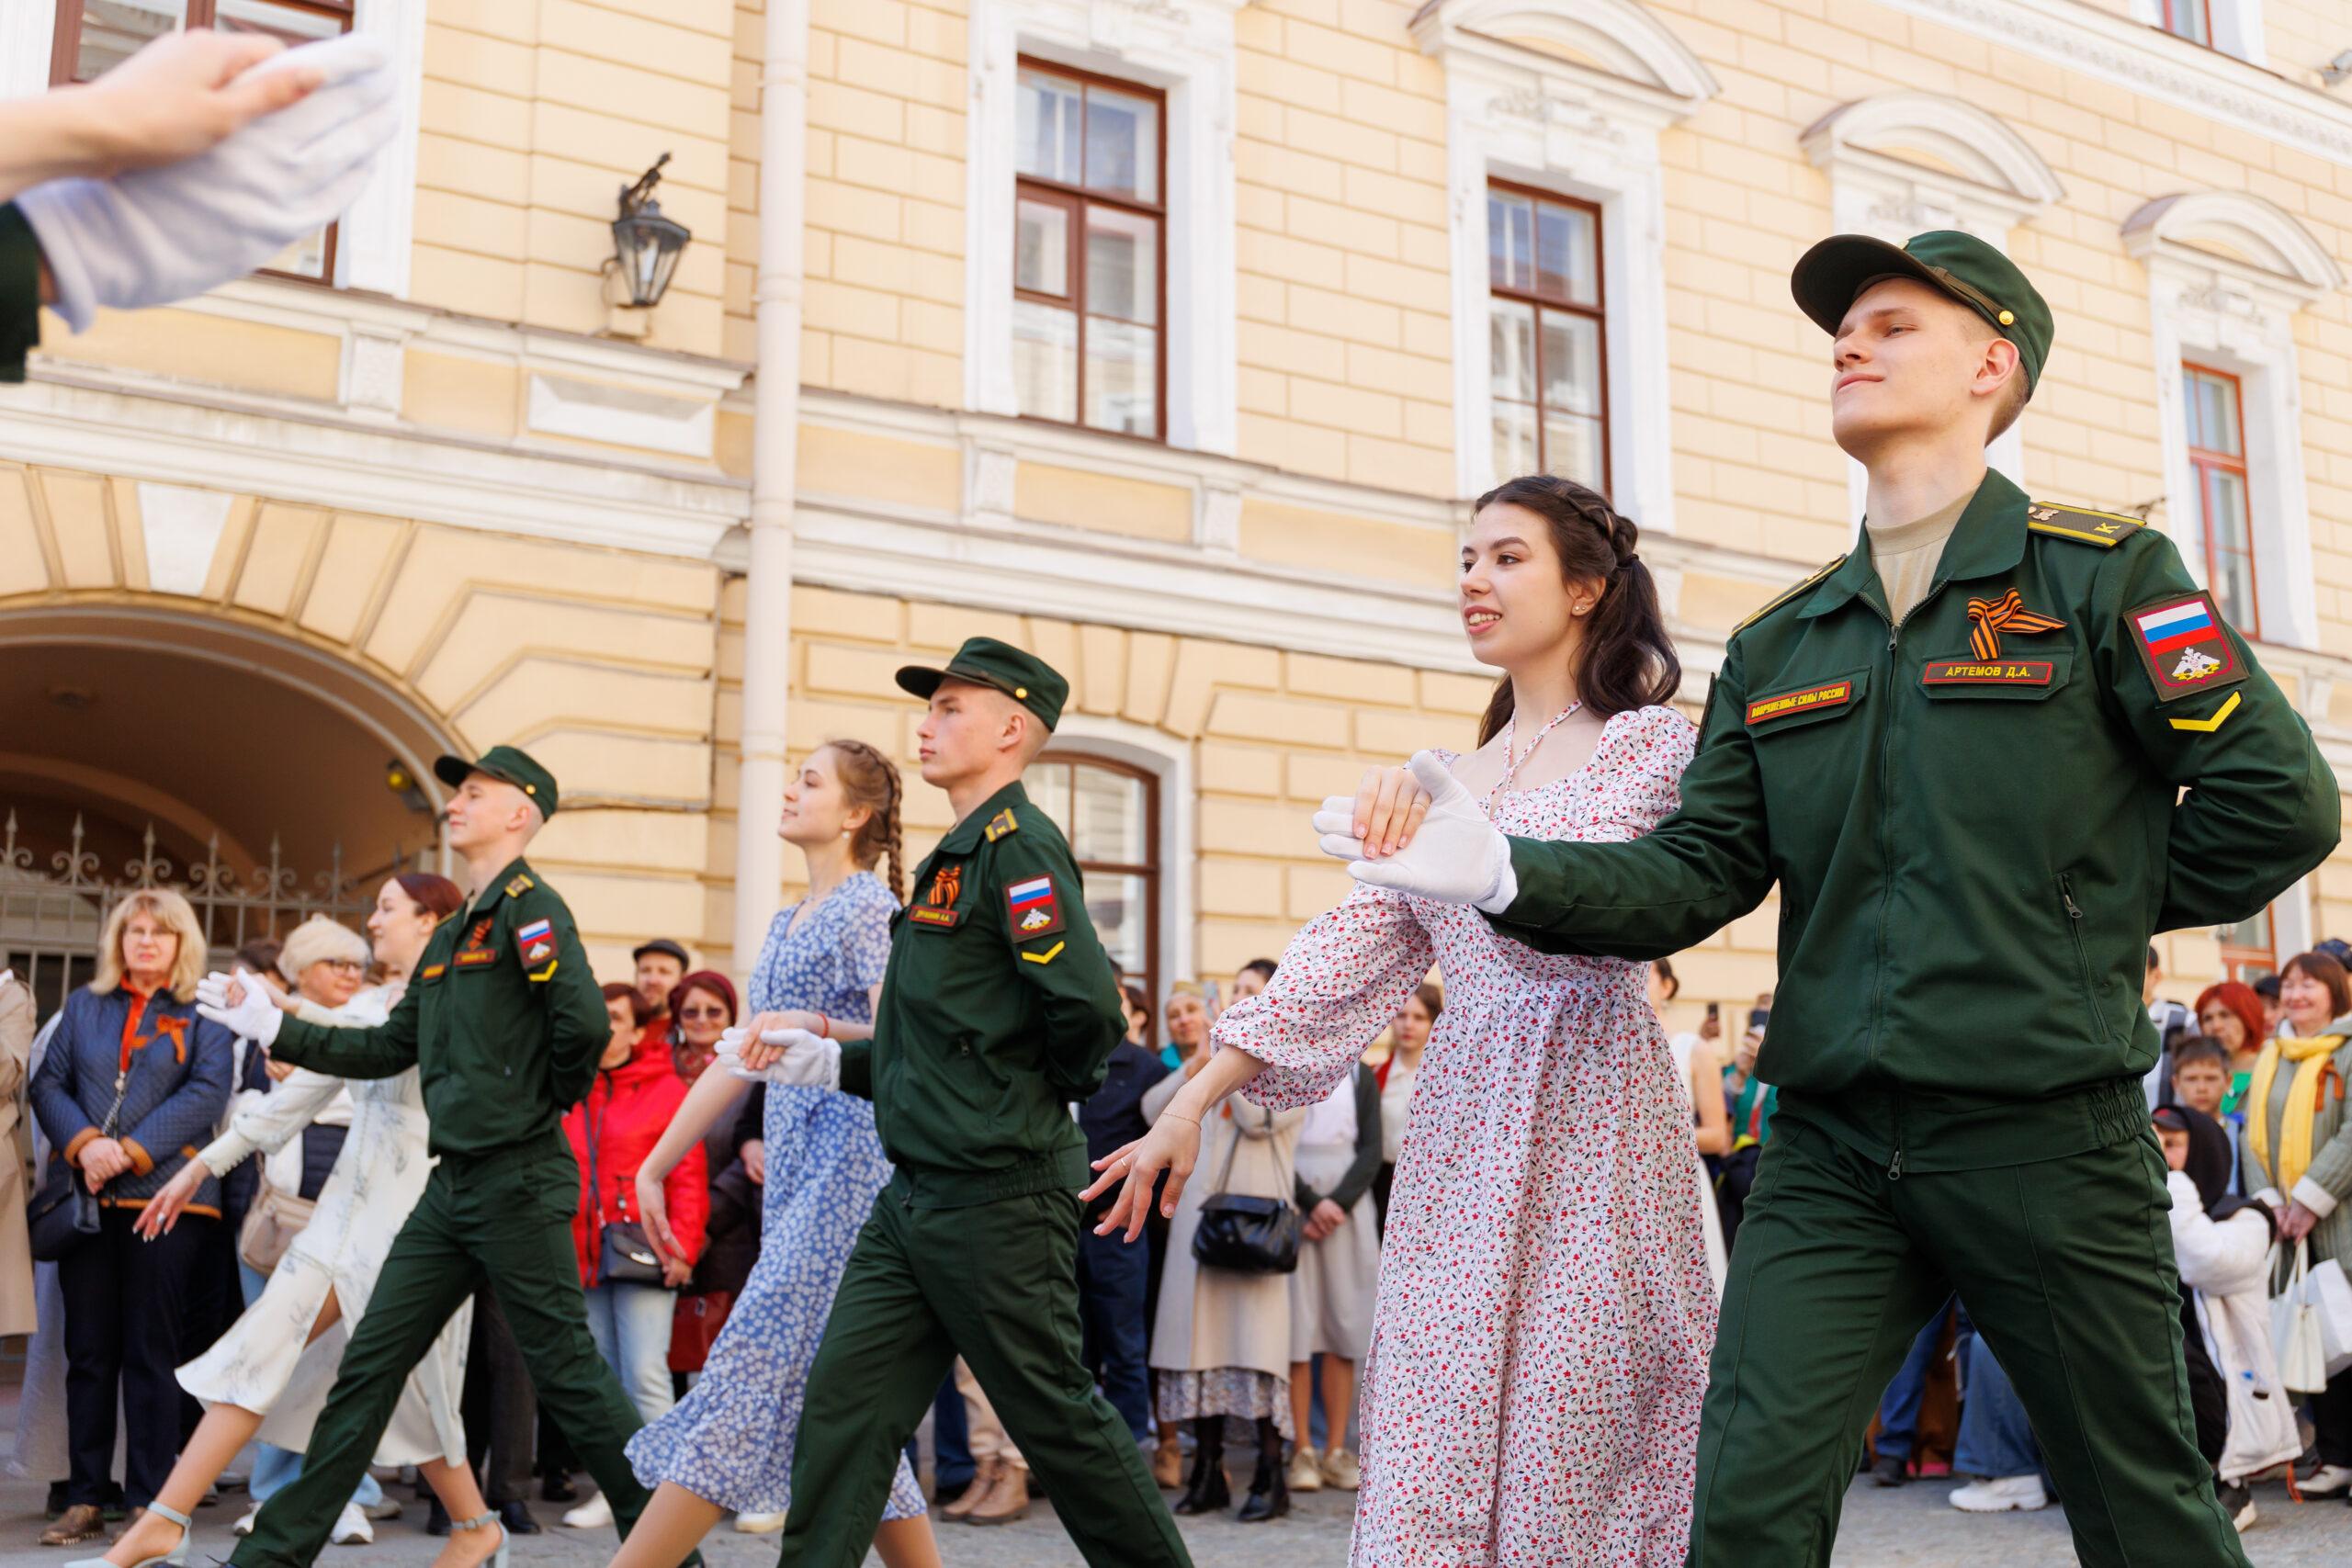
132,1080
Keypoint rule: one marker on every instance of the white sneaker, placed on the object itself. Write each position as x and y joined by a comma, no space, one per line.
759,1524
2021,1493
594,1515
2326,1481
245,1525
352,1529
387,1507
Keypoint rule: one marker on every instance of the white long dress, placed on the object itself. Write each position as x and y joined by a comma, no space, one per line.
261,1362
1718,1264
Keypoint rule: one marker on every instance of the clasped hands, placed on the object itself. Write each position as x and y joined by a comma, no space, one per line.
780,1048
1415,830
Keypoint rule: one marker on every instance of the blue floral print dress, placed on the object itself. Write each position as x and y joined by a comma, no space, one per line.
729,1440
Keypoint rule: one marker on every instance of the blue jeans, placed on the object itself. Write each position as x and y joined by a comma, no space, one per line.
631,1326
1112,1277
1898,1409
275,1468
1995,1438
950,1442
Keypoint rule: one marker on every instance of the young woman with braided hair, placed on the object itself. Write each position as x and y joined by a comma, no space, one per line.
1539,1345
729,1444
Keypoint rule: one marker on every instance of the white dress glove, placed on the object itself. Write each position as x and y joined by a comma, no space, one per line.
254,1018
1458,857
156,235
808,1058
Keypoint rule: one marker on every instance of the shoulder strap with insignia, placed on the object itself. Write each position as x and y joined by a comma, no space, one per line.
1003,823
2080,523
520,885
1776,603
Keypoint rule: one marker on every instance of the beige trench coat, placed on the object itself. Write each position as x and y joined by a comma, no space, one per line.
17,1314
1213,1317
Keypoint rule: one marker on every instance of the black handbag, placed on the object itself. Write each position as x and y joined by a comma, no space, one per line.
64,1212
1243,1234
624,1254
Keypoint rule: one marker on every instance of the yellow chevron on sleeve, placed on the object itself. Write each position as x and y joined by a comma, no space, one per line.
2209,725
1046,957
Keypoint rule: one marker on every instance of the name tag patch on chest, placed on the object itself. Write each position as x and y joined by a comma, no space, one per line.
1968,672
475,951
1033,907
1787,704
937,909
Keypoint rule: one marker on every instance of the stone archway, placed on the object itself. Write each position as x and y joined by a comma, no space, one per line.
143,742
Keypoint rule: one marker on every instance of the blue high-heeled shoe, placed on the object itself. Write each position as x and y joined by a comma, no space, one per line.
487,1521
175,1558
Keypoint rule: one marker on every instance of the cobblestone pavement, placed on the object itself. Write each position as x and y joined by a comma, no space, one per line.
1913,1528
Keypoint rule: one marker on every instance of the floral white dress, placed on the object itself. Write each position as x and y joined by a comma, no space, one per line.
1531,1399
262,1363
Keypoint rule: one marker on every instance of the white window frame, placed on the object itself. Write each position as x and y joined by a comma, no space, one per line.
379,229
2237,23
1987,181
1169,760
1186,49
1536,120
2235,312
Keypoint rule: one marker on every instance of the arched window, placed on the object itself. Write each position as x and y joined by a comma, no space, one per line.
1110,813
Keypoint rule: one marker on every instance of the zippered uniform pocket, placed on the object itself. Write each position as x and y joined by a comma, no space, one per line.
2074,917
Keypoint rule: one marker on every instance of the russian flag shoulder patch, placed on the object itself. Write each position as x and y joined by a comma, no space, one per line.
2183,646
1033,907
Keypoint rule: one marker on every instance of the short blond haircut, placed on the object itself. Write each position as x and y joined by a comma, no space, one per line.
170,910
319,941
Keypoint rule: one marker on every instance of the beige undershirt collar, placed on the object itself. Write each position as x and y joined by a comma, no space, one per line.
1905,555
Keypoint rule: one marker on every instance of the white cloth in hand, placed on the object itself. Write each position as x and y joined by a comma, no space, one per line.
1458,857
254,1018
154,235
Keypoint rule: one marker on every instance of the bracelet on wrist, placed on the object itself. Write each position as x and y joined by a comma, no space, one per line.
824,1026
1179,1116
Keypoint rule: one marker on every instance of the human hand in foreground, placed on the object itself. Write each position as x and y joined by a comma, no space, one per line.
102,1159
755,1161
163,1211
1456,857
240,1003
2296,1223
1173,1145
1386,811
1323,1218
152,235
785,1056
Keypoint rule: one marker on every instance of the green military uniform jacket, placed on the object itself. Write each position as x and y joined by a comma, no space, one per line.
999,1008
502,1016
19,292
1976,821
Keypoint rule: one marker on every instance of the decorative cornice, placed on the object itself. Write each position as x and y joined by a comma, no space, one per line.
1993,158
2153,62
2280,257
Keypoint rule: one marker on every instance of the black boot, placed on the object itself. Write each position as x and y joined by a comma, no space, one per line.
1205,1491
436,1518
1270,1487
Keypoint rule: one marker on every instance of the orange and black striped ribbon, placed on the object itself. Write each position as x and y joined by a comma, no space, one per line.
1990,617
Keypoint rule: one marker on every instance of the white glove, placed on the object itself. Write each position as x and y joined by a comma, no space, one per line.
1458,857
808,1058
254,1018
156,235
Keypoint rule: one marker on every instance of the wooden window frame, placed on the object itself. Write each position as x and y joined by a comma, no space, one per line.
2238,960
1597,312
2204,461
1151,870
66,50
2173,11
1075,199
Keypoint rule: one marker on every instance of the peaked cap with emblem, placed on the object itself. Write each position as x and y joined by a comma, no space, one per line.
1019,674
1831,276
507,764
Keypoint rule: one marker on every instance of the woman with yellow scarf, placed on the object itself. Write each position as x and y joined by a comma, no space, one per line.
2298,1159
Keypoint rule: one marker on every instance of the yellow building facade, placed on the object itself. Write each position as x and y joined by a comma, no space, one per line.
1167,337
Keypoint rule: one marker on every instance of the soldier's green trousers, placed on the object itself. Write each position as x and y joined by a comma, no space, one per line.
2066,1267
996,1284
503,1218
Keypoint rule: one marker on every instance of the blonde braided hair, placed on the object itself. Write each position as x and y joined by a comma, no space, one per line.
871,780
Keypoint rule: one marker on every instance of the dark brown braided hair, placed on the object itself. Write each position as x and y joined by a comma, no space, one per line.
871,780
1625,660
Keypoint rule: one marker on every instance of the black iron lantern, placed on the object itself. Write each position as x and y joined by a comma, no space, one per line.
645,243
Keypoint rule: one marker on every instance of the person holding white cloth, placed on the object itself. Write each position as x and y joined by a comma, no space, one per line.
1338,1280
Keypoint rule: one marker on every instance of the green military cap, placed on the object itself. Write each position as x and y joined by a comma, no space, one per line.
1021,675
1829,278
507,764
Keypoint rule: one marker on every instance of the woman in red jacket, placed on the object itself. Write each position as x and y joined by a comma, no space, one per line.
632,1291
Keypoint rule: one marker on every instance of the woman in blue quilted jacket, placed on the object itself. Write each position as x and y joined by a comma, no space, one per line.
133,1083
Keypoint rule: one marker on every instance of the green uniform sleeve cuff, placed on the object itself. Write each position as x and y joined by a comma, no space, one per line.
857,1068
19,292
